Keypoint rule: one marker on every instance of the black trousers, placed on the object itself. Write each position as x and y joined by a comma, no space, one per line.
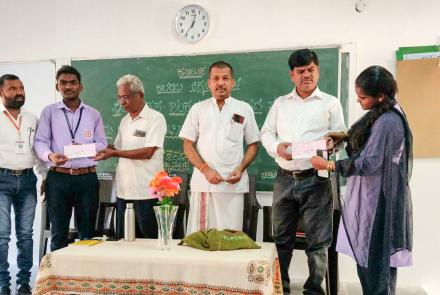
64,192
379,278
373,284
308,198
146,224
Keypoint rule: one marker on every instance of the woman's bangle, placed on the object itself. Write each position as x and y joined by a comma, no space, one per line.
203,167
330,166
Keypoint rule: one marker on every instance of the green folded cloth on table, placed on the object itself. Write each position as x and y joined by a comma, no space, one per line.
219,240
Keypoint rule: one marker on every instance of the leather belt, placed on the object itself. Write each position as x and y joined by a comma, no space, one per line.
15,172
74,171
299,173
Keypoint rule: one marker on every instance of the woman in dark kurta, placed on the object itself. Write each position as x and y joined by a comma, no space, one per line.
376,210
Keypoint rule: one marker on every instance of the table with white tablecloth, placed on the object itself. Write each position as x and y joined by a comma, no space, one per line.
139,267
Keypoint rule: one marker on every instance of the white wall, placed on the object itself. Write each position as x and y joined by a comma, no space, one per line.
48,29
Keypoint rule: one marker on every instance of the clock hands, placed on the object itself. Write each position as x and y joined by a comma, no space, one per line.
192,24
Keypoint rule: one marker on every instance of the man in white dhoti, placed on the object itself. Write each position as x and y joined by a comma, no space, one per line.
213,134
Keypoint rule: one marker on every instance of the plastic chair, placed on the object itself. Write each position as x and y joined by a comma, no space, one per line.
45,233
105,220
251,209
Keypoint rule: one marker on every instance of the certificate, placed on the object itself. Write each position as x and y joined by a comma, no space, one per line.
306,150
74,151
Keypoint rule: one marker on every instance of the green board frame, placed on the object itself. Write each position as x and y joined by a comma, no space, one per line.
417,49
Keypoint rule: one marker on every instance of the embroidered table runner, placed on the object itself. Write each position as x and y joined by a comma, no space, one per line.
140,268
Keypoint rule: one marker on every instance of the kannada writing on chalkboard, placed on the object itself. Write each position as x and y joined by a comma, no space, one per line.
155,105
169,88
180,107
268,174
175,161
261,105
191,73
173,131
108,129
117,110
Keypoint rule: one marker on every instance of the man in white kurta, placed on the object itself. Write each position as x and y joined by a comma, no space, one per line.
139,147
213,134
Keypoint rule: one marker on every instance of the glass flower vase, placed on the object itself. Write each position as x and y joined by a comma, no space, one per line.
165,216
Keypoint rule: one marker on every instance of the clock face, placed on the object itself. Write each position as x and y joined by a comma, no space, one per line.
192,23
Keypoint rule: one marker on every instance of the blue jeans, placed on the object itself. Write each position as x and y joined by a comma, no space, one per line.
19,192
146,224
309,198
64,192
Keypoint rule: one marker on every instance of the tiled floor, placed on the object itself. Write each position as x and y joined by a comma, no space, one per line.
355,289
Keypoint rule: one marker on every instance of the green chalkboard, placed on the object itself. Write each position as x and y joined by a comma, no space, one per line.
174,83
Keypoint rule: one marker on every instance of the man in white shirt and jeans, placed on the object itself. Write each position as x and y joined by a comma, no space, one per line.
306,114
212,136
17,181
139,146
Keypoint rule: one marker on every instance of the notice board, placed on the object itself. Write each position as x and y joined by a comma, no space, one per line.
419,94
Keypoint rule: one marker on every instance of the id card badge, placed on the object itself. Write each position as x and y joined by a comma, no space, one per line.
19,147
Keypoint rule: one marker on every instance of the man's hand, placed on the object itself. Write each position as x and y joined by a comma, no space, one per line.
318,163
235,176
330,144
212,176
104,154
337,137
57,159
282,150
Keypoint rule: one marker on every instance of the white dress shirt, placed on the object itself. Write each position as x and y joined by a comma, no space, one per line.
133,177
220,141
293,119
9,158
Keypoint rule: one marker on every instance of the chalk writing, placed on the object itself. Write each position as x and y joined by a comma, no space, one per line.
155,104
191,73
117,110
169,88
237,85
173,131
108,129
180,107
199,87
268,174
175,161
261,105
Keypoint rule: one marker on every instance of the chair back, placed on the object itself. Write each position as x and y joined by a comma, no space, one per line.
251,208
105,220
182,201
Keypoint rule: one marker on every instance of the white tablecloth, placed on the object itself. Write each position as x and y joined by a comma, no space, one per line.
140,268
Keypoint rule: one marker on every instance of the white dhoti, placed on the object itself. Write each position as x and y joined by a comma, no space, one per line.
215,210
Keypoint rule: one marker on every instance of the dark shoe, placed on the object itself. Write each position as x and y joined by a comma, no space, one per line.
24,289
5,290
286,287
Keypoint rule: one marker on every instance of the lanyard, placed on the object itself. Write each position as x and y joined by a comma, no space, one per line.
73,133
13,121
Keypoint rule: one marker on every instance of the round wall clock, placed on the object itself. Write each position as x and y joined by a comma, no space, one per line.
192,23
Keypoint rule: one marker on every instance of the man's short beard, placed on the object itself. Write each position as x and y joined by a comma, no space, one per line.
15,104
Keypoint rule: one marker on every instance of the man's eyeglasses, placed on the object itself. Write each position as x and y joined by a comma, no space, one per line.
125,97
